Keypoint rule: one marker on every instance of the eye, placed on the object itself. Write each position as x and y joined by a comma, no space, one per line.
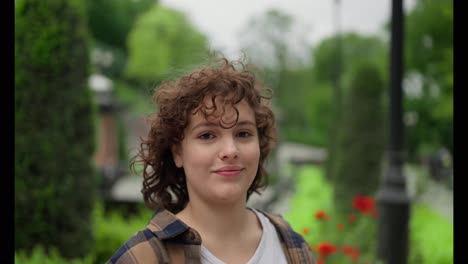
244,134
206,136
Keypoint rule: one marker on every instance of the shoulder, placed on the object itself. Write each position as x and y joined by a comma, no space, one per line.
142,247
151,244
278,221
295,244
284,228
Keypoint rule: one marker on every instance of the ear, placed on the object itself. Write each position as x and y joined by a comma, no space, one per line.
176,155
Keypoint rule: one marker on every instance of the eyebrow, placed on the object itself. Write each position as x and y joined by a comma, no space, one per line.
210,124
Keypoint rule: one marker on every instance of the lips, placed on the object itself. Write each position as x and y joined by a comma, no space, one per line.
229,171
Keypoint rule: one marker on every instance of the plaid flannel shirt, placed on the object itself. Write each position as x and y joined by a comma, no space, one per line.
166,239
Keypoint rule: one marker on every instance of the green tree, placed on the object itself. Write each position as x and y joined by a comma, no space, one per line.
429,67
55,183
318,111
161,41
355,50
275,41
304,108
109,23
356,168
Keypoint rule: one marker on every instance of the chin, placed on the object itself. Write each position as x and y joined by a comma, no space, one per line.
230,195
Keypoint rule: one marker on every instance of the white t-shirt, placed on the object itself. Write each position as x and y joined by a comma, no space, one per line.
269,249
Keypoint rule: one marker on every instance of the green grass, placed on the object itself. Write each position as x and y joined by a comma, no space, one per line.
312,193
431,236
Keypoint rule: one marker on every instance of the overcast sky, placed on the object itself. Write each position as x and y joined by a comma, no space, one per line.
223,20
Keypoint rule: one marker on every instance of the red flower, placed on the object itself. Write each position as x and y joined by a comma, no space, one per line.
364,204
340,227
325,249
305,231
353,253
321,215
347,250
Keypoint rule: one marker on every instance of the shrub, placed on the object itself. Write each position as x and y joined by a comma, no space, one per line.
342,240
112,229
39,256
55,183
356,166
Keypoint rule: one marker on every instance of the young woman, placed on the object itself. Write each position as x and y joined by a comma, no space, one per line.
203,158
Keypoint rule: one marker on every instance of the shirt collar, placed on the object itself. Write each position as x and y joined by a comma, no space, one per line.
166,225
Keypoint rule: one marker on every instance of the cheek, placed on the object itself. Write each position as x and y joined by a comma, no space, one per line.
253,154
196,157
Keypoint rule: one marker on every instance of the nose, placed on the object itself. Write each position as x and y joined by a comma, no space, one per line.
228,149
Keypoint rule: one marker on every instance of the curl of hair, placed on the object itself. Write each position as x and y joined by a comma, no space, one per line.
164,184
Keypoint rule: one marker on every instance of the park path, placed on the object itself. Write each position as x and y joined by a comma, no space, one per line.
438,197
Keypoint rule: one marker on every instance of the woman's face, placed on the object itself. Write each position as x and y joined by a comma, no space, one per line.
220,163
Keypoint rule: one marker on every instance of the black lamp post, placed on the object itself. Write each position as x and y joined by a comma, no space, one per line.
392,198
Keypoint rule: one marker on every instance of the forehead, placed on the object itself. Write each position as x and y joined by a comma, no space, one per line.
222,113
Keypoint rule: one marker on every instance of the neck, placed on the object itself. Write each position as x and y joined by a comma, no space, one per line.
217,220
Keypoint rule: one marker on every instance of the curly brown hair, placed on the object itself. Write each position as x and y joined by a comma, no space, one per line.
163,183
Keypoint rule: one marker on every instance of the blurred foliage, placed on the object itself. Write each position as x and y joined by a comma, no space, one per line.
317,108
308,95
356,164
274,39
429,55
135,101
305,91
55,183
334,62
303,108
163,40
110,21
113,228
355,49
313,194
108,60
40,256
431,235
